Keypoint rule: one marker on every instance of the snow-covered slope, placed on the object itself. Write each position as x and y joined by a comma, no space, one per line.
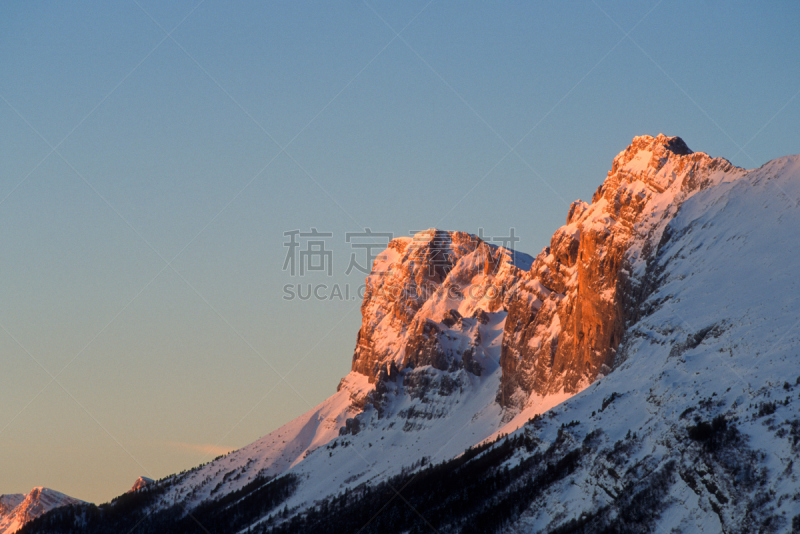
18,509
7,505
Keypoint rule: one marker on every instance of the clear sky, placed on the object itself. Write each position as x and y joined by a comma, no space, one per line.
152,155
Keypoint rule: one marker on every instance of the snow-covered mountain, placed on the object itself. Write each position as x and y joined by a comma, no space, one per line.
659,331
462,340
18,509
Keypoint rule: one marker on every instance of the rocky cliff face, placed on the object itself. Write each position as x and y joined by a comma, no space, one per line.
423,291
567,315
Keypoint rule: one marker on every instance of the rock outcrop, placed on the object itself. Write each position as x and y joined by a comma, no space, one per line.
421,288
141,483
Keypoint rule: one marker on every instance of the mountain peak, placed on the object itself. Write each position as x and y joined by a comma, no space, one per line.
676,145
658,163
25,508
141,482
653,152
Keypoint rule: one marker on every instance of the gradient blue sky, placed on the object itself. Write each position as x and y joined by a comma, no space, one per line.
152,154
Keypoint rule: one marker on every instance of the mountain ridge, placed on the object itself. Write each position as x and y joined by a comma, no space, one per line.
457,368
17,509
